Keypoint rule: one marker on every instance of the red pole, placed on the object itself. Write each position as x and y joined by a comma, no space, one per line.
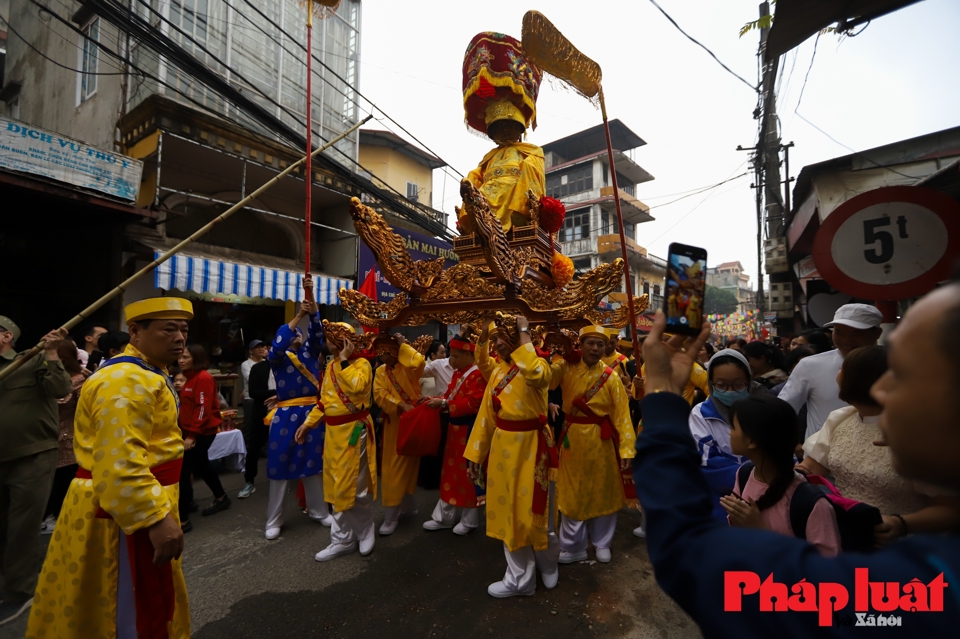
623,239
308,171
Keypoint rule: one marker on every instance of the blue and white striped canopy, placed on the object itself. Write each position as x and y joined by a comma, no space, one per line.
204,275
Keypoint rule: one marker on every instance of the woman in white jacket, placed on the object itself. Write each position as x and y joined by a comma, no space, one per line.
730,380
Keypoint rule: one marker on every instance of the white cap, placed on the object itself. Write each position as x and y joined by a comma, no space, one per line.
861,316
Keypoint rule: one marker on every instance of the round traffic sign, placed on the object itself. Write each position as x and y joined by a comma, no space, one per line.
889,243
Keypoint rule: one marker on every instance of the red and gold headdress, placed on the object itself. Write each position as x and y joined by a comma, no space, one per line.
499,82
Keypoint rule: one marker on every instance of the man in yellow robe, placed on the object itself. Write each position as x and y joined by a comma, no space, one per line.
396,389
350,449
596,449
511,429
113,565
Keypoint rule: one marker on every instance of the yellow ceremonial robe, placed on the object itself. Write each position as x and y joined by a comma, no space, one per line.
505,175
484,361
126,423
512,456
341,460
588,482
398,472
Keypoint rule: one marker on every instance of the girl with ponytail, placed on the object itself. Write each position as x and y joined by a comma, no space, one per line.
766,363
763,430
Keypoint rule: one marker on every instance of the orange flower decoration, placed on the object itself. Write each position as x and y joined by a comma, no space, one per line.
562,270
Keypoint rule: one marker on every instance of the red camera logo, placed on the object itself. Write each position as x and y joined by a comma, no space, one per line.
828,598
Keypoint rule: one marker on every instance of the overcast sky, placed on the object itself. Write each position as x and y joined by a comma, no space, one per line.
893,81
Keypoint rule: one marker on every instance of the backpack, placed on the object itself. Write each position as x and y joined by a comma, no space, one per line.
855,520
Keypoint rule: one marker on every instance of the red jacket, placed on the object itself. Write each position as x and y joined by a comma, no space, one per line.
199,405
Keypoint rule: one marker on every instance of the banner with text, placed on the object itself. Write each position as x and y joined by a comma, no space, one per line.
30,150
419,246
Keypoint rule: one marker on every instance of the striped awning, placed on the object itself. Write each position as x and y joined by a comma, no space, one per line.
205,275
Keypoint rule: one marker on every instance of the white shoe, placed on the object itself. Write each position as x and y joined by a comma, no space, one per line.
335,550
570,557
47,525
550,581
462,530
388,528
500,591
367,542
603,555
640,532
326,522
246,491
272,533
432,524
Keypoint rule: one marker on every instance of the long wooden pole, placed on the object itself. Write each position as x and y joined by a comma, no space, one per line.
308,172
623,239
85,313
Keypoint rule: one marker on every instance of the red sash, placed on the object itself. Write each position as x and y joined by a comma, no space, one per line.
546,461
495,393
396,385
343,396
153,589
607,431
340,420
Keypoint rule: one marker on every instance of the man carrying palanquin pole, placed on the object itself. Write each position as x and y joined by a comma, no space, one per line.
512,434
350,449
113,565
396,389
461,401
596,448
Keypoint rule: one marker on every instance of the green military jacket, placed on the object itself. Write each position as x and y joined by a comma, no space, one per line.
28,406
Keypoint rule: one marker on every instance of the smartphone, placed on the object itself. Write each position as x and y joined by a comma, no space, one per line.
686,284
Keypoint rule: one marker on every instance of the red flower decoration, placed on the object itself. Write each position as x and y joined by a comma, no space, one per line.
552,212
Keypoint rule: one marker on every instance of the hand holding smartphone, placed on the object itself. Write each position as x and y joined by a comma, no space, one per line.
686,285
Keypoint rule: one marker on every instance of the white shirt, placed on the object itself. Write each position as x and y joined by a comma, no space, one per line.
814,383
245,374
441,371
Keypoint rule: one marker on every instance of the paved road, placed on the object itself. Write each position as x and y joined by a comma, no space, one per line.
415,584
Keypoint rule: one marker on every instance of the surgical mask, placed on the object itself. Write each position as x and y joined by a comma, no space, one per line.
729,398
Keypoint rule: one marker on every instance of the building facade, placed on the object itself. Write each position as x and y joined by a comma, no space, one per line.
578,174
210,96
729,276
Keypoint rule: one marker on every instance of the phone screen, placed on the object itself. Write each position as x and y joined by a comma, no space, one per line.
686,283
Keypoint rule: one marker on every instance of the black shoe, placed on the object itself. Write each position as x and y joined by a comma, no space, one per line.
10,610
186,526
216,506
194,507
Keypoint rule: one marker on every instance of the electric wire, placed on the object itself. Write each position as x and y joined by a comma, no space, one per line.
269,122
712,55
51,60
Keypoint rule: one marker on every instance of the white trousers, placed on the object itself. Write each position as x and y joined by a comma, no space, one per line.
522,565
407,506
312,486
356,523
573,533
448,515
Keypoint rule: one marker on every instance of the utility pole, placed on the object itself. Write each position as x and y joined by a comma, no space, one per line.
767,159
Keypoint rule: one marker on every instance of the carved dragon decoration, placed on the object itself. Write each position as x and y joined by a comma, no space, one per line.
391,252
369,312
488,232
462,281
579,297
620,317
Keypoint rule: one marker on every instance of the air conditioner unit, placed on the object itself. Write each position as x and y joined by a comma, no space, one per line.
781,296
775,255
